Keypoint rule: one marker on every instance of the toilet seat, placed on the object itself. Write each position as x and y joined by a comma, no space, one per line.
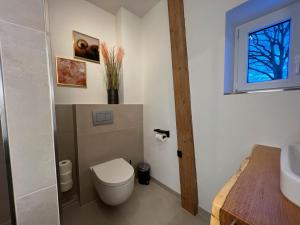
114,173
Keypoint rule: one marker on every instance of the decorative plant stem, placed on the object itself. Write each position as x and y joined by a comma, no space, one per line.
113,63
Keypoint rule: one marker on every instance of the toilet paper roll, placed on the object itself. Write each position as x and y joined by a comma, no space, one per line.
66,177
65,166
67,186
161,137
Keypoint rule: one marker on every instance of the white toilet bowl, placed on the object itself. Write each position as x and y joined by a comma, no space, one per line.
114,181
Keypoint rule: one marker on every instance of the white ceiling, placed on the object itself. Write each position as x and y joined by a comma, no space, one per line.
138,7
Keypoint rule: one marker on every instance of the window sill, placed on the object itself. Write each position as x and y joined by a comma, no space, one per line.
263,91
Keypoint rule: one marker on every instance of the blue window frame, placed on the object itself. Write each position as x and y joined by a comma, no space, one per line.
268,53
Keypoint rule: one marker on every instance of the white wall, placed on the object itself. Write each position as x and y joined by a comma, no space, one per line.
121,29
82,16
129,37
159,109
226,127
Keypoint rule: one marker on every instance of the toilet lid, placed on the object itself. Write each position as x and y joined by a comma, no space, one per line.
114,172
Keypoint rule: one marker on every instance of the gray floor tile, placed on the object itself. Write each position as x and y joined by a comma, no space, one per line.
149,205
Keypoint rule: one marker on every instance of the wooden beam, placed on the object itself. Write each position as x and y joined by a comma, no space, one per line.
188,177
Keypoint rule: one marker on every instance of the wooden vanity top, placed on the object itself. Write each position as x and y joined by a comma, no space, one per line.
253,196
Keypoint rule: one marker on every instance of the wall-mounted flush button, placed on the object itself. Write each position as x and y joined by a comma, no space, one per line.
102,118
108,116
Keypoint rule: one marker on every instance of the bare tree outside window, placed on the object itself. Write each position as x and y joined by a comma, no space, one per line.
268,53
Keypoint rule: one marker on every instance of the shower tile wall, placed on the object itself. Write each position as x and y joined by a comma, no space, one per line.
66,145
123,138
4,200
28,108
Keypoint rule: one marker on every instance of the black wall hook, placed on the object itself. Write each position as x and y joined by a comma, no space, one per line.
166,132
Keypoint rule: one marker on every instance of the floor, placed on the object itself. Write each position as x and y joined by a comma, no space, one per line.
149,205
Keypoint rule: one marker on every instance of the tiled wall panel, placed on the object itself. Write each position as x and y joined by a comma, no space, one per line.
28,108
97,144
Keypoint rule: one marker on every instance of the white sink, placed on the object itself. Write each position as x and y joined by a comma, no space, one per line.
290,173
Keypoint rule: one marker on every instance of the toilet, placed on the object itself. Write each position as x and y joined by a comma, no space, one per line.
113,181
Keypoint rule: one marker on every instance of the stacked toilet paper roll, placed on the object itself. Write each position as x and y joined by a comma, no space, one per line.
65,170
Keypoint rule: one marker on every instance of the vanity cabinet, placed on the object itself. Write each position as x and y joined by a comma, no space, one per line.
252,196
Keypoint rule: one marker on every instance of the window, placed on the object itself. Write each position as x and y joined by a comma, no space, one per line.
267,52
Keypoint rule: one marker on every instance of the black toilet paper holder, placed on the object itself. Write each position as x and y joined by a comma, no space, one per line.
165,132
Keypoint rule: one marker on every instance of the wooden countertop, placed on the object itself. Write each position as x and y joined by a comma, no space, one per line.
253,196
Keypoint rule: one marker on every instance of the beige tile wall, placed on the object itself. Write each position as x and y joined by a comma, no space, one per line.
28,107
66,145
123,138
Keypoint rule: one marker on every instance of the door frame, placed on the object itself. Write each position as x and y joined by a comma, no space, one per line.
52,101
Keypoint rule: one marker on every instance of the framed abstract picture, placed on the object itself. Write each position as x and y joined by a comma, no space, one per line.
86,47
71,72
